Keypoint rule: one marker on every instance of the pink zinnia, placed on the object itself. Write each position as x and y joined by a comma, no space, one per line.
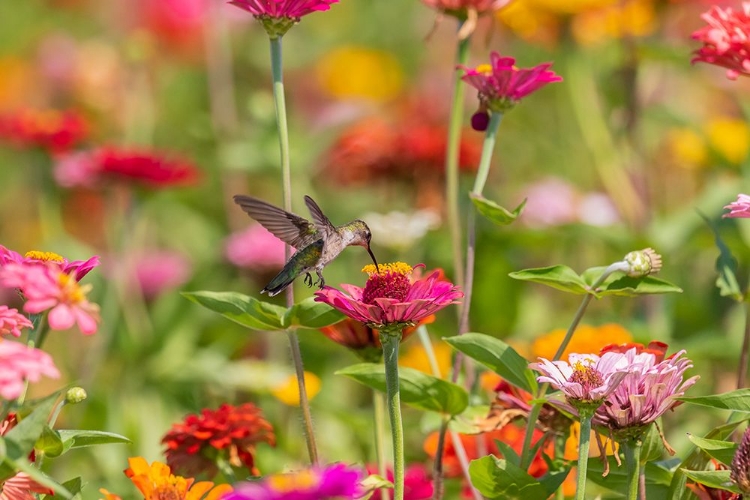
11,321
292,9
22,487
739,208
47,287
726,40
255,248
390,298
19,363
77,268
336,481
501,84
162,270
647,392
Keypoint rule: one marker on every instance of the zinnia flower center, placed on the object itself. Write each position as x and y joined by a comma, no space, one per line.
44,256
74,292
588,376
302,480
392,282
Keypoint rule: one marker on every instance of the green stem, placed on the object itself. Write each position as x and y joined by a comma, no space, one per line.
390,341
437,468
632,449
490,137
286,181
583,452
745,352
452,157
378,408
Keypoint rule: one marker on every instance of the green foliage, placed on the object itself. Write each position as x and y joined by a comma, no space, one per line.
494,212
723,451
726,266
718,479
738,400
500,479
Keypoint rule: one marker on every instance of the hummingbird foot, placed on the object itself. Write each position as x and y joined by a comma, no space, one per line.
308,280
321,282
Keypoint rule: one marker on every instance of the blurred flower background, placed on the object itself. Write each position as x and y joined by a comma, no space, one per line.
126,126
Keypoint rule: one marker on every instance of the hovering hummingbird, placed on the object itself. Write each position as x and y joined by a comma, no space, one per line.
317,243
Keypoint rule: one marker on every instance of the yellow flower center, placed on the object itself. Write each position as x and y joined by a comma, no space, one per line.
484,68
393,268
44,256
74,292
302,480
586,375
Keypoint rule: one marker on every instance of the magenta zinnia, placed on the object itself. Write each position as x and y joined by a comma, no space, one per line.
726,40
229,433
389,298
334,482
277,16
501,84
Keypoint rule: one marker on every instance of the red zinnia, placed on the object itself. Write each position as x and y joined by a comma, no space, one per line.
726,40
231,432
49,129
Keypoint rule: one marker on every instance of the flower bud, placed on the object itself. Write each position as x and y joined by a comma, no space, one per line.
642,263
75,395
740,470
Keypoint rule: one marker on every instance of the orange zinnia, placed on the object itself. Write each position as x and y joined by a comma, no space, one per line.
157,482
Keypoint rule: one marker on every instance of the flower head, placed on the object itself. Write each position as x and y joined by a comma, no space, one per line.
277,16
390,298
230,432
461,8
335,481
739,209
646,392
157,271
587,339
642,263
20,364
255,248
585,379
501,84
22,487
726,39
740,470
53,130
46,287
417,482
78,268
156,482
11,321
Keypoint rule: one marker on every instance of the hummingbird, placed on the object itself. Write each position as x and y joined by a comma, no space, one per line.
317,243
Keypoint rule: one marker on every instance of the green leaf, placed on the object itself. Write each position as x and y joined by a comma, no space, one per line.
494,212
723,451
74,438
718,479
243,309
497,356
726,266
653,447
657,477
560,277
23,465
631,287
20,440
417,389
499,479
311,314
50,443
738,400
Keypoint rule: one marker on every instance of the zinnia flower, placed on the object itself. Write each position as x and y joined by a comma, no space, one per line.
21,363
156,271
334,482
585,379
47,288
230,432
739,209
156,482
50,129
277,16
255,248
389,298
22,487
501,84
417,482
361,339
726,40
646,393
78,268
11,321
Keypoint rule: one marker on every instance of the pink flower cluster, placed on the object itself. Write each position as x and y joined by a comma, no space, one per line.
726,40
19,363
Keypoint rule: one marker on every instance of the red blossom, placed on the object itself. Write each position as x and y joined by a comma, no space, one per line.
231,431
726,40
53,130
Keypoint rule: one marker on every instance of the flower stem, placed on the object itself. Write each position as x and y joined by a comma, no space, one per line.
286,181
583,452
490,137
378,408
745,352
437,467
390,341
452,158
632,449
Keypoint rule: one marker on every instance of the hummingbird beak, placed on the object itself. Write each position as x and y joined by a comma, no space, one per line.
369,250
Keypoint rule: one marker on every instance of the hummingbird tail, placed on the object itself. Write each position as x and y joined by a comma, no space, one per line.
278,284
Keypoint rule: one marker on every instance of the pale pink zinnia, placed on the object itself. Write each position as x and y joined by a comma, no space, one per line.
46,287
11,321
390,298
20,363
740,208
255,248
647,392
726,40
501,84
584,378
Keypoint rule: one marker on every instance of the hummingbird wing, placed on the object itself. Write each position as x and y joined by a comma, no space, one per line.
288,227
322,224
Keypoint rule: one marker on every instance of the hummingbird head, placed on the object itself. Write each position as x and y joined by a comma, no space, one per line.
361,236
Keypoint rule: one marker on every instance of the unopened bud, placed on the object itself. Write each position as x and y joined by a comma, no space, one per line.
642,263
75,395
740,471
